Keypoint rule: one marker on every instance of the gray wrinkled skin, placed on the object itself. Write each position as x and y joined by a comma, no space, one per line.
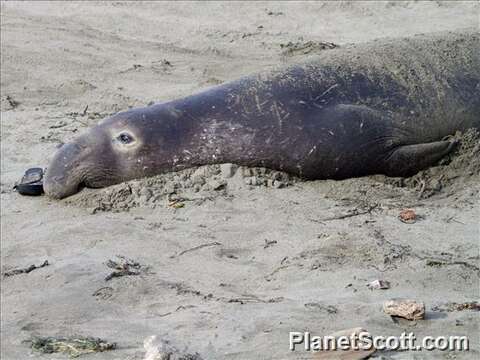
382,107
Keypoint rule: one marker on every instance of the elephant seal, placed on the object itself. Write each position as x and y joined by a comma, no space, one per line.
381,107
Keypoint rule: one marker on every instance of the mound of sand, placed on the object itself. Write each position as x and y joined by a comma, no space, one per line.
173,189
455,171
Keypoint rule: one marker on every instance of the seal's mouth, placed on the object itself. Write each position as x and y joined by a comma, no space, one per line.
64,175
58,189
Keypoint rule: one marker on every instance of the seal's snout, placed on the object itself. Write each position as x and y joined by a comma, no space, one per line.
64,174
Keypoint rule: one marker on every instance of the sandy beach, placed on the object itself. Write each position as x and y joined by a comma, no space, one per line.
227,260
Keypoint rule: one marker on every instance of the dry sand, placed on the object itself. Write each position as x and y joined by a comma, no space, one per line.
245,260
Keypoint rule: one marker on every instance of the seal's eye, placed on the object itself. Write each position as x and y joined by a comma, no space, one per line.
125,138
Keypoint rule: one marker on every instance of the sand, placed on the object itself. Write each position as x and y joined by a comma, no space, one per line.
230,260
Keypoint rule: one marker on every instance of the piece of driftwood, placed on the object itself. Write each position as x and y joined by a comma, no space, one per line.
25,270
215,243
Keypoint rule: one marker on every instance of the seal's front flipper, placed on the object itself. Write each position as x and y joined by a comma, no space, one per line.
407,160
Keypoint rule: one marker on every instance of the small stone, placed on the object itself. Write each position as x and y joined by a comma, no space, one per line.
228,170
248,181
158,349
278,184
405,308
407,216
269,182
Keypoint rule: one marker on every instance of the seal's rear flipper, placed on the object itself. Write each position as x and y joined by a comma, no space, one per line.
407,160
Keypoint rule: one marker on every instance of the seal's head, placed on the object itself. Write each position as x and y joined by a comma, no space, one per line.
126,146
